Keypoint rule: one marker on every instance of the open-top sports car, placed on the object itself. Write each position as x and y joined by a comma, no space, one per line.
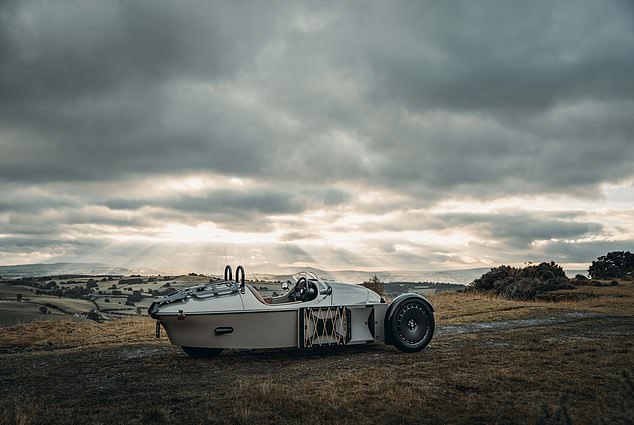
208,318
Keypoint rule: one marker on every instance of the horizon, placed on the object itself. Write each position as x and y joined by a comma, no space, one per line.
391,137
259,272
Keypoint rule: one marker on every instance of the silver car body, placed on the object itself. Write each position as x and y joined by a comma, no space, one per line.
228,314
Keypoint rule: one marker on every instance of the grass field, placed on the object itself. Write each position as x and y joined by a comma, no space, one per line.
26,310
491,361
14,311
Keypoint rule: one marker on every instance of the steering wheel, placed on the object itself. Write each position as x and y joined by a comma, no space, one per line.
303,290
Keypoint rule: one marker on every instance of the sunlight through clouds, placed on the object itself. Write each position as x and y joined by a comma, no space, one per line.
372,136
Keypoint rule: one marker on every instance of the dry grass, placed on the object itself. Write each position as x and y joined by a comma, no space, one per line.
76,333
116,372
452,308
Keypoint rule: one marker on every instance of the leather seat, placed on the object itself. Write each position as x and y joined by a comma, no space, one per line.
257,294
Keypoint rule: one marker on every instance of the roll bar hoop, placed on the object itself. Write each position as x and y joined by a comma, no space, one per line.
229,273
240,277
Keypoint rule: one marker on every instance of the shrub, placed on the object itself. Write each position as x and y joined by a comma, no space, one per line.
135,297
375,284
522,283
614,265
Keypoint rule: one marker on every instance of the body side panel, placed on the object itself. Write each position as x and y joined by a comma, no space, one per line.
250,330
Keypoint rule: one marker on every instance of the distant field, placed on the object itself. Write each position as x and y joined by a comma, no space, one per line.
491,361
12,311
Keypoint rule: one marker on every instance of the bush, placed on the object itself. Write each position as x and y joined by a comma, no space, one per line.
601,284
614,265
375,284
135,297
522,283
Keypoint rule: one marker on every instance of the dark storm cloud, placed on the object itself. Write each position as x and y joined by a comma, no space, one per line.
32,204
228,201
513,229
57,52
267,202
103,90
519,230
38,243
79,224
505,57
235,210
586,251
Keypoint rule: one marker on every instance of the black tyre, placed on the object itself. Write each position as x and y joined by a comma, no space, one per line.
412,325
202,353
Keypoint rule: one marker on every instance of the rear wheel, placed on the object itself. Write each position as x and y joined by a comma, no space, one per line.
412,325
202,353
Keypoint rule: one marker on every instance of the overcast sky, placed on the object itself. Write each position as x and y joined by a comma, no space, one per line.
342,135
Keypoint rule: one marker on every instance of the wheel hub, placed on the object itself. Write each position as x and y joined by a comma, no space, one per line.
411,324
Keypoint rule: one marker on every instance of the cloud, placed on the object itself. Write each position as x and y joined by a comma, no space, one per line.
520,230
329,123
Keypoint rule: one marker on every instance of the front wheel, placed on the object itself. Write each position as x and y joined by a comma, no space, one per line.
412,326
202,353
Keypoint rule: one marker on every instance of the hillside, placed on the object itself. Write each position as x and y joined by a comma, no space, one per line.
491,361
54,269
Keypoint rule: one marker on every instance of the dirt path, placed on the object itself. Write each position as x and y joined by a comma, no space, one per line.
515,324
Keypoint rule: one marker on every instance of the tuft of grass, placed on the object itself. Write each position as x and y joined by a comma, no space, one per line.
558,416
18,412
155,415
